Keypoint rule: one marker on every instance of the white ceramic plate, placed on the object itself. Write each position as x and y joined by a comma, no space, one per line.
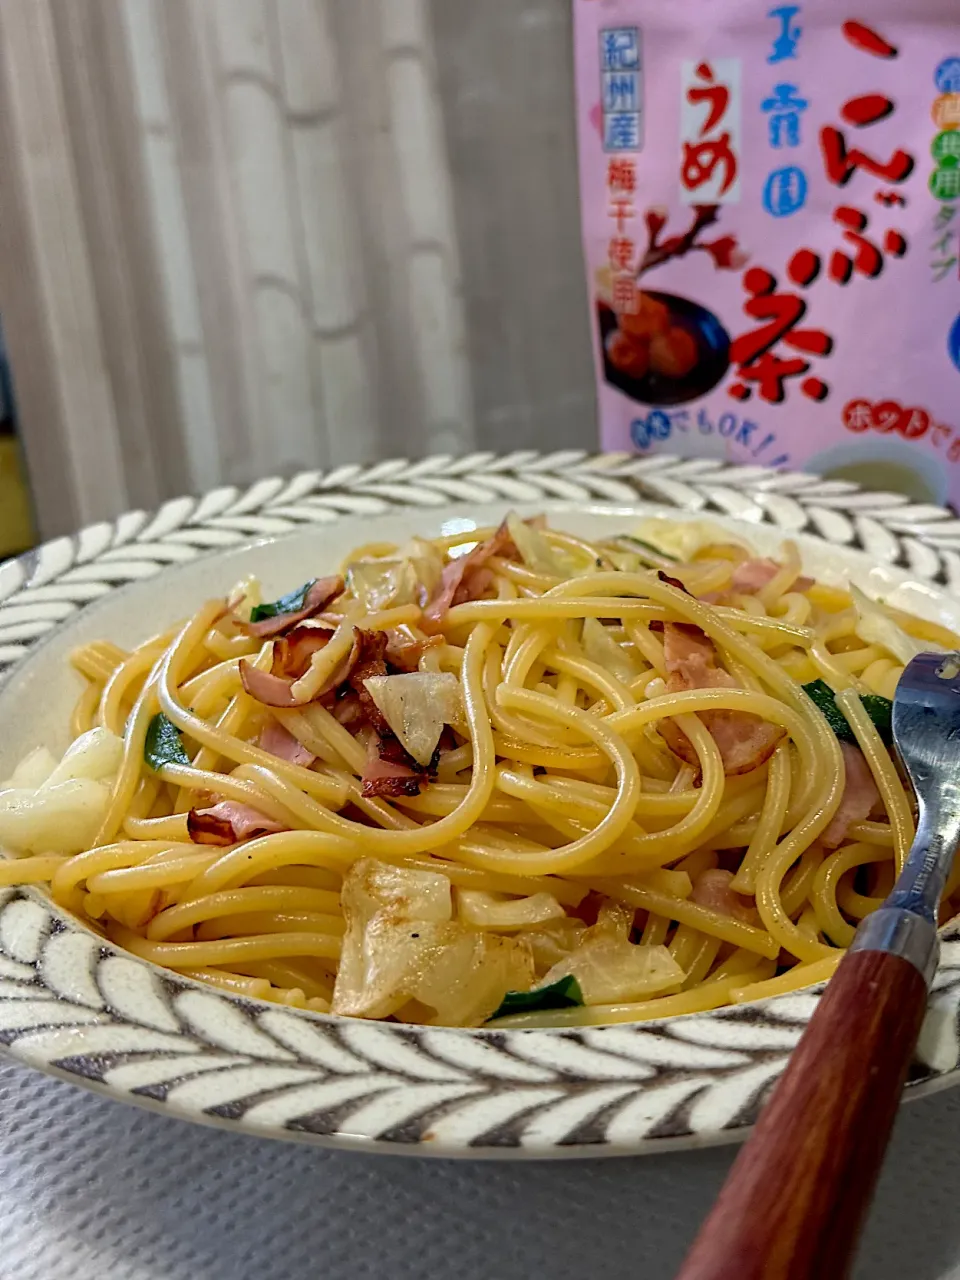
71,1005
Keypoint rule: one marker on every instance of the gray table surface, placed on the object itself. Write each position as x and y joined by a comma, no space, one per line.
94,1190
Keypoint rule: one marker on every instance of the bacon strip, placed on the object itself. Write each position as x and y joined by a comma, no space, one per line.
275,690
348,711
370,661
271,690
744,740
293,651
751,576
390,788
460,581
712,889
404,652
690,627
385,777
229,822
317,598
672,582
690,654
280,742
388,758
860,795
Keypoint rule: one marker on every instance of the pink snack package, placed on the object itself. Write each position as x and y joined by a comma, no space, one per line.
771,218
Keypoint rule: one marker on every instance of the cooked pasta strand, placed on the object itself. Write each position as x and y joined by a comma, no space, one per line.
481,762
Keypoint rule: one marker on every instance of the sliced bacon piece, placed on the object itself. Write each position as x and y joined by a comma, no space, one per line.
860,795
385,777
280,742
657,625
229,822
371,646
691,627
751,576
404,652
690,654
712,889
377,767
391,749
275,690
388,758
460,582
672,582
743,740
271,690
390,788
475,582
317,598
293,650
348,711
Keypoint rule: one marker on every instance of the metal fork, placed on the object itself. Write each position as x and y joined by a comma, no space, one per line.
794,1202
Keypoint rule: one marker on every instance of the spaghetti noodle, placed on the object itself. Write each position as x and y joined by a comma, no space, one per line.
525,777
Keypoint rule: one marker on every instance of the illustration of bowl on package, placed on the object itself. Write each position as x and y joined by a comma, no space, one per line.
660,348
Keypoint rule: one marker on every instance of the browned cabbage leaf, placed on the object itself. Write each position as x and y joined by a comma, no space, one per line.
404,954
416,705
610,968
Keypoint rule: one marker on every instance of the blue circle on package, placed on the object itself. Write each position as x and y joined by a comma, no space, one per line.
953,342
655,426
785,191
947,75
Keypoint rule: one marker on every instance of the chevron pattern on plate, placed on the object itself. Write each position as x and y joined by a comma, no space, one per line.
73,1004
45,586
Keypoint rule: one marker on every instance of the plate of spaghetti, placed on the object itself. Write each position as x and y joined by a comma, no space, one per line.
530,826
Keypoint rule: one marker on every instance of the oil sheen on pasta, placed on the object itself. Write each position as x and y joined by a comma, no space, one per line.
584,773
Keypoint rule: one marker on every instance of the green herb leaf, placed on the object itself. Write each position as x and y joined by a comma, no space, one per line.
292,603
880,711
559,995
820,693
877,708
164,744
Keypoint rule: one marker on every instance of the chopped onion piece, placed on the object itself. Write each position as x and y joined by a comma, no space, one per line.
51,807
625,561
609,972
416,705
535,550
380,584
401,945
492,911
550,943
472,974
601,648
32,771
394,919
427,562
680,540
610,968
876,626
95,754
370,886
62,818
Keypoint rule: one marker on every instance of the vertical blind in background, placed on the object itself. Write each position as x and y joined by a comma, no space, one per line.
246,236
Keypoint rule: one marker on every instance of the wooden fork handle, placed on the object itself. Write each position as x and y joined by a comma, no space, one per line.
794,1202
